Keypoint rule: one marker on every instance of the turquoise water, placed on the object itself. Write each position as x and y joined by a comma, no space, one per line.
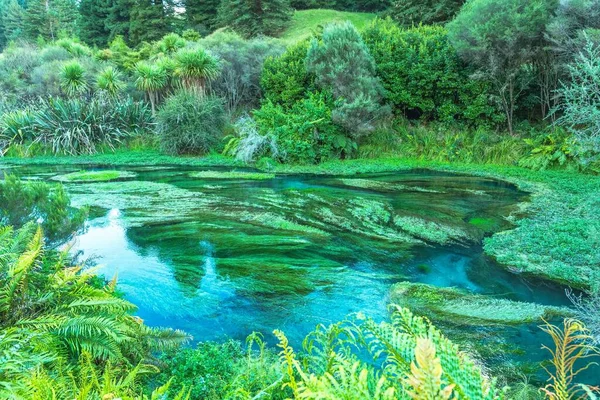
224,257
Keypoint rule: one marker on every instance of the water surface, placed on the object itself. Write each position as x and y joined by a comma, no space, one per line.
224,257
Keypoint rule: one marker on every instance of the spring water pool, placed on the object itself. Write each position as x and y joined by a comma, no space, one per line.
221,255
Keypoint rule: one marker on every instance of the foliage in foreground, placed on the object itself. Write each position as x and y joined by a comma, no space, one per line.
52,313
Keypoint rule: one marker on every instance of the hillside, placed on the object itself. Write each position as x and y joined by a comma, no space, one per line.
306,21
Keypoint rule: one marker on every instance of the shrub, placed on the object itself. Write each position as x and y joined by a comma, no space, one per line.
305,133
249,145
72,79
284,79
424,76
76,126
189,123
241,63
49,205
342,64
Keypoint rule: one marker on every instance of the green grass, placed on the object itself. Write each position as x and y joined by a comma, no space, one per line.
94,176
125,158
305,22
256,176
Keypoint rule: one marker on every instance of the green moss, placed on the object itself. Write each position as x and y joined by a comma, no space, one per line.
94,176
429,230
232,175
458,307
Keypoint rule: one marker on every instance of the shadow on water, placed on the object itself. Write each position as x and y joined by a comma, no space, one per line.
225,257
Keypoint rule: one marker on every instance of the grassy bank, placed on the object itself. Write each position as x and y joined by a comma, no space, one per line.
305,22
556,237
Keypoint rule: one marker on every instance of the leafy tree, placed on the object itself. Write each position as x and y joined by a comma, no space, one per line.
424,76
500,37
255,17
341,63
415,12
109,80
73,79
579,102
93,28
201,15
241,63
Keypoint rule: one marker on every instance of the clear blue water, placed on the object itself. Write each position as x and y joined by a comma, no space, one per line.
224,257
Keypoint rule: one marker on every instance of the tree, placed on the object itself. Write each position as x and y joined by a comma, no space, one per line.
194,68
93,29
500,37
429,12
342,64
11,21
118,19
48,18
151,79
201,15
255,17
150,20
579,102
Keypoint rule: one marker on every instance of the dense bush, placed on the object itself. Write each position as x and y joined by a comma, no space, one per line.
241,65
284,79
217,371
305,133
77,126
424,77
50,206
189,123
341,63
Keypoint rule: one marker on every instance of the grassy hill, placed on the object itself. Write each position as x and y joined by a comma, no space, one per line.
306,21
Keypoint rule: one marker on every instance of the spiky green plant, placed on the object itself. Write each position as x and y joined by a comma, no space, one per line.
195,68
151,79
109,81
72,79
170,43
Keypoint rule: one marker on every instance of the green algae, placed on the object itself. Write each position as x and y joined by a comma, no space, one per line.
429,230
243,175
382,186
485,224
94,176
460,307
